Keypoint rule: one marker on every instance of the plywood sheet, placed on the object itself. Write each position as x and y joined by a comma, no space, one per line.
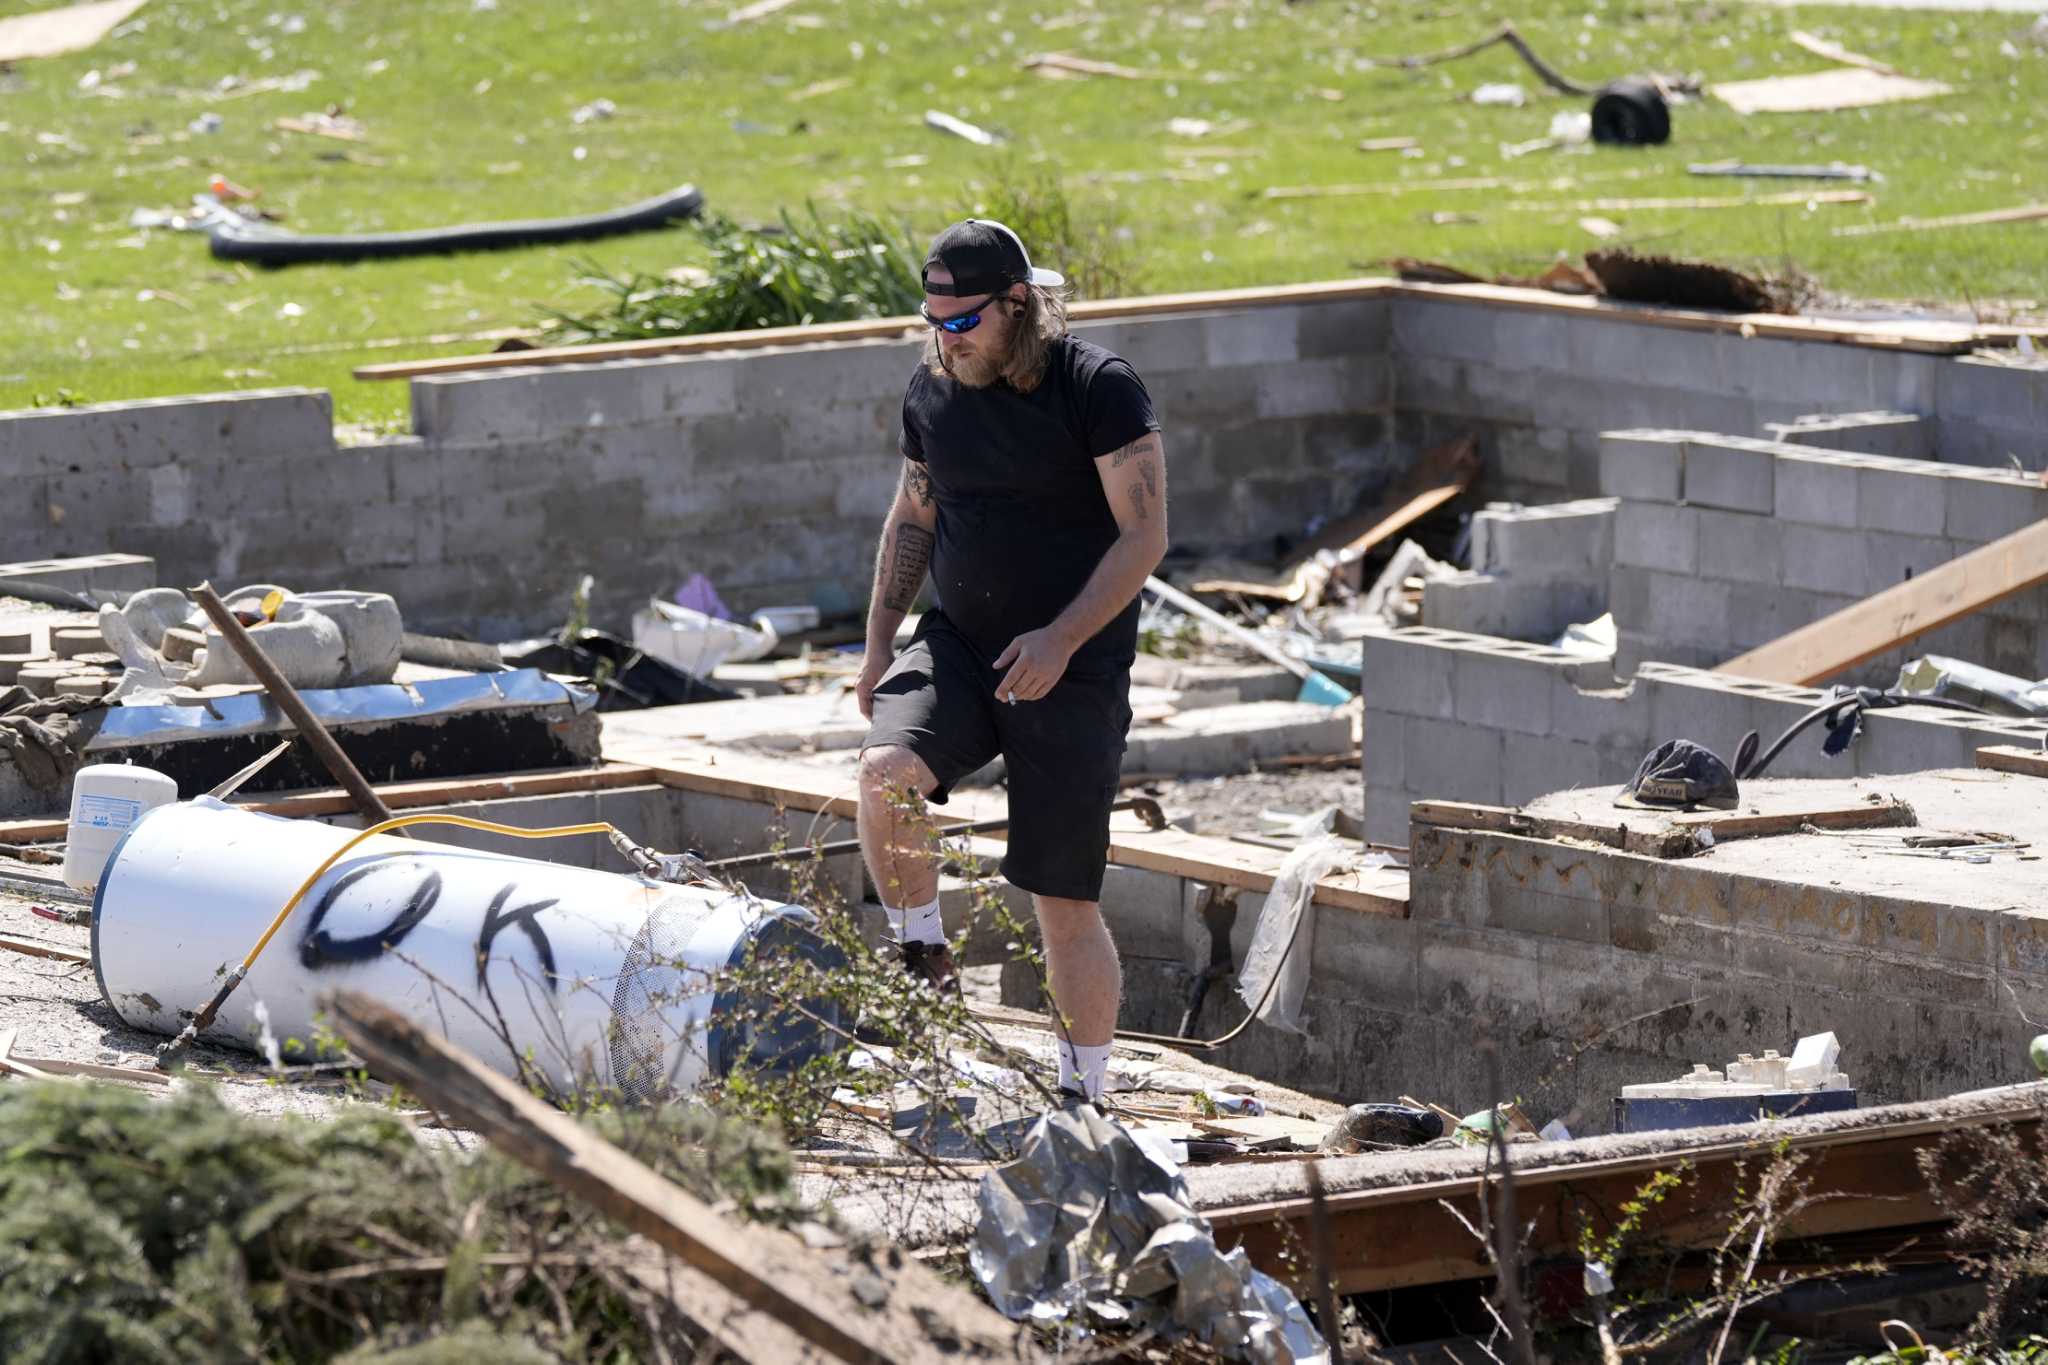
51,32
1844,87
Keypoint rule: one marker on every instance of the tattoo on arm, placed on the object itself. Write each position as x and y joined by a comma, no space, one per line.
912,557
1148,474
919,480
1140,507
1144,445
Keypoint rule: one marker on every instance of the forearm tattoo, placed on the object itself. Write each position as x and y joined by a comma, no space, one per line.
913,555
919,480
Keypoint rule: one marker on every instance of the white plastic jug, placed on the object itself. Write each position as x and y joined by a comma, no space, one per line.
106,801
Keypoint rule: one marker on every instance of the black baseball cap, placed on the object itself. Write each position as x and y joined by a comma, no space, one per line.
983,258
1681,775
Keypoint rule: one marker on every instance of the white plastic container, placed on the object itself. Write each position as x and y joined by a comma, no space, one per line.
106,801
592,976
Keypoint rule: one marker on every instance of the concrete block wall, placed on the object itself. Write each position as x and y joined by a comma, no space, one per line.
1898,434
1724,543
768,470
1535,570
1457,717
1539,386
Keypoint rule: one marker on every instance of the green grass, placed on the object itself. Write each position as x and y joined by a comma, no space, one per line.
80,319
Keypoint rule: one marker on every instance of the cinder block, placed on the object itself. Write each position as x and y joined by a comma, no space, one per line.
1536,340
1741,547
1453,761
1443,327
1817,491
1893,558
1898,435
1152,345
1898,496
1407,676
1313,387
1595,715
1736,478
1983,392
1987,506
1383,759
1642,465
1512,608
1655,535
1559,540
1253,336
1536,766
1825,560
1502,691
1345,327
1816,374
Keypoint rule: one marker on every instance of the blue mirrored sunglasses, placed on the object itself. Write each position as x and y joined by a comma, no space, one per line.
960,322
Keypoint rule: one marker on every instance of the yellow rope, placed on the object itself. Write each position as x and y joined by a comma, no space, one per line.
399,822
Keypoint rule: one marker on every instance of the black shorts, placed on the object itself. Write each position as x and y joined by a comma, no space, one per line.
1064,752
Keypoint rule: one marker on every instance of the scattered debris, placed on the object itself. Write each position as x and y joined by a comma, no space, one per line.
2000,694
1807,1082
1395,597
1060,66
1388,144
2024,213
1602,228
1823,91
1506,33
1274,978
1634,278
760,9
331,123
818,88
242,240
1567,129
1093,1225
1631,113
1378,1127
1514,96
698,642
53,32
1835,52
594,112
960,128
1814,199
1833,170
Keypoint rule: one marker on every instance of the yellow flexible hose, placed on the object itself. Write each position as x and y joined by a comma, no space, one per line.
400,822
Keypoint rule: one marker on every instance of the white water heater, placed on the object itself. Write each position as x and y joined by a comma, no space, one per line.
594,977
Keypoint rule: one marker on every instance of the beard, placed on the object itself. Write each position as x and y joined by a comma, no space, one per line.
974,371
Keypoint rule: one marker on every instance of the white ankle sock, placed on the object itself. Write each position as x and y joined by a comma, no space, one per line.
1083,1067
918,924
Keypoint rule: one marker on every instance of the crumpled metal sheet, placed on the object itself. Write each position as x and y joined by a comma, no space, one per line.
253,713
1090,1222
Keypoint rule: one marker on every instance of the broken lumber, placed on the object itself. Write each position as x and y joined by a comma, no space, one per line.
1506,33
1969,583
1657,834
1835,52
2011,758
2024,213
1729,201
1440,475
29,947
919,1317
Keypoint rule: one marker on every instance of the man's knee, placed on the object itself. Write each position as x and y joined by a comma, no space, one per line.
891,771
1060,918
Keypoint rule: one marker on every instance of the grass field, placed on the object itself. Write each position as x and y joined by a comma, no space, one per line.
469,117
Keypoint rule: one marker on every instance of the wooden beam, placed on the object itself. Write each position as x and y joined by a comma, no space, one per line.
29,947
918,1318
399,796
1096,310
2011,758
1658,834
1969,583
1863,1179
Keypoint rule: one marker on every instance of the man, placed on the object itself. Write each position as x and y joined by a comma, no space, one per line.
1034,491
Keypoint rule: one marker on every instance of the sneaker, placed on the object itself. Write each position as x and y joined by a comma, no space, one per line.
932,963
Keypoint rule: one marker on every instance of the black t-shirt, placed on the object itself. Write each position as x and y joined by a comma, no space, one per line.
1022,518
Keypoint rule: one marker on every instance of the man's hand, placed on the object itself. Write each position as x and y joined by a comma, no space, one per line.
1036,660
871,670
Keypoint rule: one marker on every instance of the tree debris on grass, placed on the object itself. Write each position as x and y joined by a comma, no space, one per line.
1634,278
1059,66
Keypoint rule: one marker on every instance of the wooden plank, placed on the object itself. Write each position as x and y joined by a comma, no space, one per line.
1930,338
29,947
2010,758
1650,835
768,1269
2023,213
1969,583
399,796
1849,87
1861,1179
1375,891
1862,815
1439,476
53,32
1156,305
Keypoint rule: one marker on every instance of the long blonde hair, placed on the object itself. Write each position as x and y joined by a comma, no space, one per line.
1031,339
